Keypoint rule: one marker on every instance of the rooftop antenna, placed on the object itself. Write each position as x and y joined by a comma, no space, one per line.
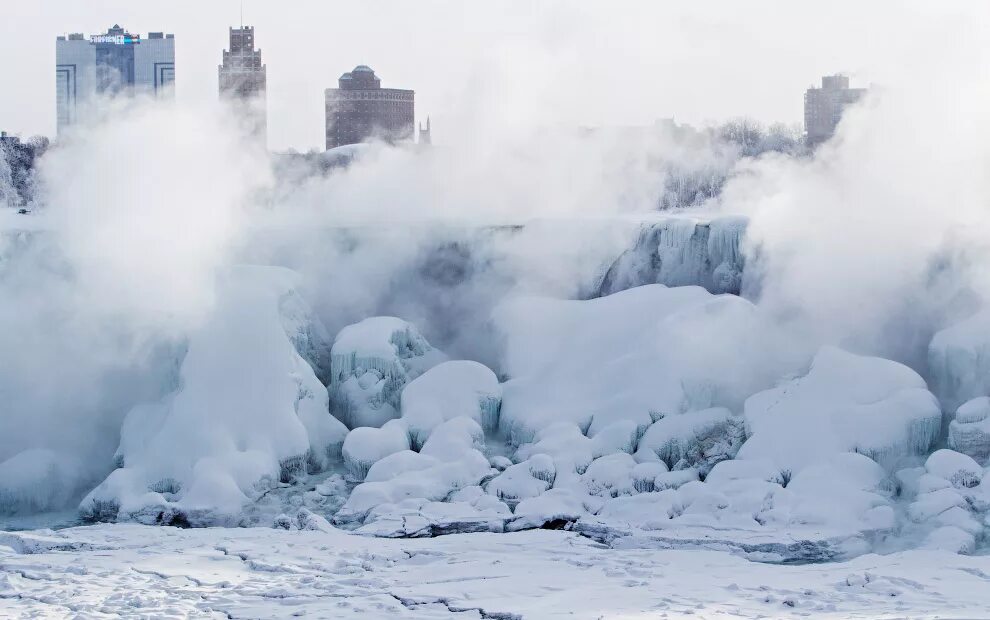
242,14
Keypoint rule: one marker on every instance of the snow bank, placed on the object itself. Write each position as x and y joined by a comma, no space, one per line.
969,432
634,356
447,391
247,411
959,361
845,403
370,363
682,251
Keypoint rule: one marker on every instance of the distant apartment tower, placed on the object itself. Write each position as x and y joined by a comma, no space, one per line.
107,65
243,80
360,109
425,133
823,107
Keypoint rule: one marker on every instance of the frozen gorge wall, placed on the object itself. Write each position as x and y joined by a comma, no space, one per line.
682,251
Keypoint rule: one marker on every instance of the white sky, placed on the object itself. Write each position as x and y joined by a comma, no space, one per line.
507,62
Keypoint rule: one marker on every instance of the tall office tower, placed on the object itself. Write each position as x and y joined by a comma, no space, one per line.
425,136
108,65
243,81
823,107
360,109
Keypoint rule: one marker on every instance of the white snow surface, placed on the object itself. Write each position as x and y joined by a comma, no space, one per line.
845,403
112,571
246,410
637,355
449,390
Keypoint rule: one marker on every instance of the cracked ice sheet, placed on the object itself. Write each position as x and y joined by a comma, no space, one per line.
130,571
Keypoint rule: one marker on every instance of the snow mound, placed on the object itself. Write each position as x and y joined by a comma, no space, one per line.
959,360
370,362
434,483
247,411
635,356
366,445
969,432
447,391
845,403
952,502
698,439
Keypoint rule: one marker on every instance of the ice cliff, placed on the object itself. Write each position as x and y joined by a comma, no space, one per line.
680,251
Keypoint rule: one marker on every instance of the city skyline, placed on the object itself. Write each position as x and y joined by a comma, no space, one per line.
495,74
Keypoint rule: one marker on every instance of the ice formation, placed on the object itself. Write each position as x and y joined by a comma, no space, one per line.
845,403
447,391
959,361
370,363
698,439
366,445
969,432
246,412
635,356
680,251
951,501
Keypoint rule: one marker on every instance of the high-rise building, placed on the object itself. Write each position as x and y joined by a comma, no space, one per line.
823,107
243,80
108,65
360,109
425,137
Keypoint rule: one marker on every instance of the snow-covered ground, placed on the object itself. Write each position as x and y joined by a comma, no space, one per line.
112,571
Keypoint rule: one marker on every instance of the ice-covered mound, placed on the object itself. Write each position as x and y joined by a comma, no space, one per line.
681,251
246,411
698,439
845,403
403,483
447,391
370,362
366,445
951,501
746,505
636,356
959,361
37,480
969,432
434,482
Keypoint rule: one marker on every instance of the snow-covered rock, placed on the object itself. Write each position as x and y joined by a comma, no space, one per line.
366,445
569,448
610,476
246,412
452,439
959,360
435,484
523,480
370,362
449,390
845,403
958,469
698,439
680,251
969,432
635,356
